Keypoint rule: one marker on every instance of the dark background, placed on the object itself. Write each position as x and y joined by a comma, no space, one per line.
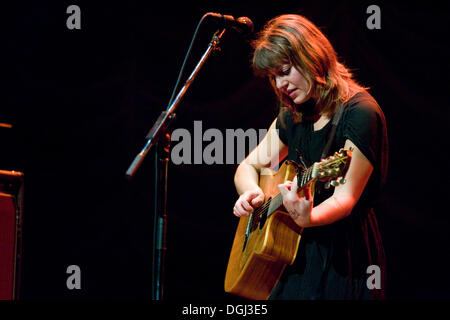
82,101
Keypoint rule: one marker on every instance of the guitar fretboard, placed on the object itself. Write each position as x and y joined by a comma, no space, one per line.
324,170
272,204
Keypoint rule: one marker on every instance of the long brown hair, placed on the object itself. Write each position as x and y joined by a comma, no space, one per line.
293,39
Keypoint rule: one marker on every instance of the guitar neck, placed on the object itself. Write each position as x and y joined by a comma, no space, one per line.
305,177
275,203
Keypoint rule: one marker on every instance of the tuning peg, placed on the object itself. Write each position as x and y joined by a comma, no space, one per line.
334,183
342,180
327,185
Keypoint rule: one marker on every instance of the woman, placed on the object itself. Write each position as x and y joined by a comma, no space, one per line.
340,239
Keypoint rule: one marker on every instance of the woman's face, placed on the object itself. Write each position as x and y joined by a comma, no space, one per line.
292,83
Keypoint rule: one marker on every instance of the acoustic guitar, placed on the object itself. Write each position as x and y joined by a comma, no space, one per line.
267,240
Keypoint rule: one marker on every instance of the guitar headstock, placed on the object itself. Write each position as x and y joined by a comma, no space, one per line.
332,170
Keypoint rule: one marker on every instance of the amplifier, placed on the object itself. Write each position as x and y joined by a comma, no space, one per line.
11,215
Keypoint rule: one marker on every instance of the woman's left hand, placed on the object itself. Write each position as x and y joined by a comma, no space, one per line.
298,207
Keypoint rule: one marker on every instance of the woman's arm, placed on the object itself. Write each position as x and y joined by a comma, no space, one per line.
336,207
246,178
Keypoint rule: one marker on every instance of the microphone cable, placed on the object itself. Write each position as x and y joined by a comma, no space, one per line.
186,58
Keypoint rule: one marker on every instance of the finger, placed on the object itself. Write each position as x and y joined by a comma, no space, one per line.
256,202
246,206
239,212
288,185
254,193
235,212
294,185
283,189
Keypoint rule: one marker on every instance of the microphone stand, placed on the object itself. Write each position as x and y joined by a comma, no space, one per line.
159,138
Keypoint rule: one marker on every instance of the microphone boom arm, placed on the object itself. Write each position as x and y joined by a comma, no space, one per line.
162,122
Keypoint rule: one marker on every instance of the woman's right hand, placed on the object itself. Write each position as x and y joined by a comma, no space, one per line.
247,202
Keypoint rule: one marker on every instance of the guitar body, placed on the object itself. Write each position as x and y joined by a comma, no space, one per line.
253,272
267,241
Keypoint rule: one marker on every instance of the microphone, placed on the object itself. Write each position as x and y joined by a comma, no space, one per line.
241,24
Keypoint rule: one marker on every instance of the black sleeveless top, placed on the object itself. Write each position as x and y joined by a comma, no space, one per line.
333,260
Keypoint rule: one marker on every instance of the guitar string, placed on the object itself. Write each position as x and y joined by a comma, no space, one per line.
303,175
267,204
258,211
